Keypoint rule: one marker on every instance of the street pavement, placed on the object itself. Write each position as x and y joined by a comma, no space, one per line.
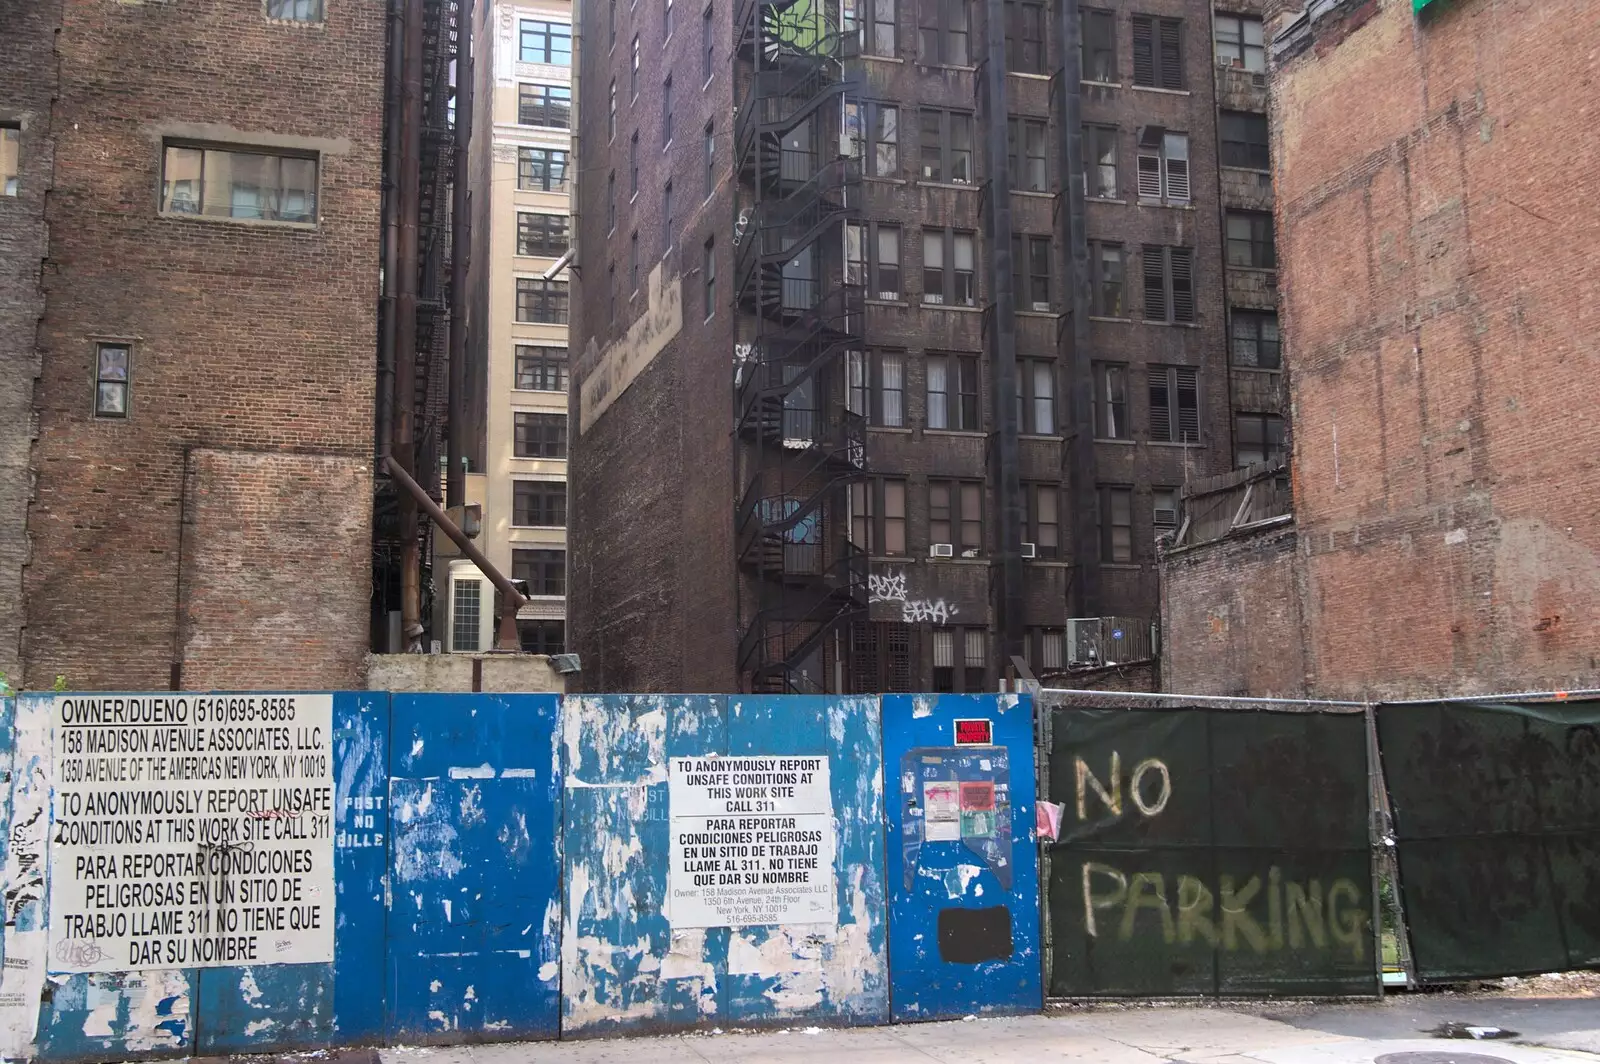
1395,1031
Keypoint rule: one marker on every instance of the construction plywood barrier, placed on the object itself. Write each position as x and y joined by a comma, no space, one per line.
1209,852
723,862
1496,811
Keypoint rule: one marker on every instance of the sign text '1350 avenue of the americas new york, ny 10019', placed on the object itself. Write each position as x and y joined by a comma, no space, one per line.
752,841
191,831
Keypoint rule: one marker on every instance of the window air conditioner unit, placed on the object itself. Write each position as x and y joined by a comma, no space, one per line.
1030,550
942,550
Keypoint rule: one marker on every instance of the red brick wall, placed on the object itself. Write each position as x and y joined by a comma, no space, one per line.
247,337
1437,242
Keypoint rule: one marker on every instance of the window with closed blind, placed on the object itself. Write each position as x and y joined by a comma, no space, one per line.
1157,52
1174,404
877,389
878,515
1043,519
1163,166
1097,45
960,660
1168,284
948,260
1036,397
1047,649
953,392
1116,524
1106,298
872,259
955,514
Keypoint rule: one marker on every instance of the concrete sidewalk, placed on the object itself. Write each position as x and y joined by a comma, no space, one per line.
1175,1035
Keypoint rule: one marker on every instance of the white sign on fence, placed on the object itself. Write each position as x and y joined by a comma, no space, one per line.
191,831
752,841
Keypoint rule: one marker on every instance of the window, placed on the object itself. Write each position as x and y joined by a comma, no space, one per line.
540,435
1168,284
882,19
1025,50
1100,162
1244,140
953,392
1257,438
543,637
633,166
666,214
1105,264
611,202
633,262
633,70
544,105
711,158
239,184
882,145
1111,401
544,570
541,234
1250,240
1163,165
1164,514
960,660
1239,43
946,147
942,26
541,170
666,111
311,11
541,369
1255,339
611,23
878,516
1174,404
611,294
877,383
546,42
1116,524
1036,397
611,113
1157,52
1043,530
1048,650
708,46
539,300
872,259
10,159
1098,58
1026,143
955,515
111,380
880,656
539,503
709,272
667,21
1030,272
956,284
467,615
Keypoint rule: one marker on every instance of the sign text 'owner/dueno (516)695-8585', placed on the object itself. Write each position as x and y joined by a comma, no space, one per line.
752,841
191,831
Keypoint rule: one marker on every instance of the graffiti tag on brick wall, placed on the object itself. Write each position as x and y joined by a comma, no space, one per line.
890,586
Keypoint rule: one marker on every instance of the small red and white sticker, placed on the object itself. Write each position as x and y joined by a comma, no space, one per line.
975,731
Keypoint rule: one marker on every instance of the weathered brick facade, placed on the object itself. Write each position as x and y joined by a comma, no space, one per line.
224,524
1435,224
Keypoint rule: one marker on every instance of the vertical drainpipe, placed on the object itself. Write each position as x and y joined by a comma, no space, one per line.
391,227
460,255
402,446
1074,243
1006,579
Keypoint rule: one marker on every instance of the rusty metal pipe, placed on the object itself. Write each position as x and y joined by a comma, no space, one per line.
511,599
460,259
403,450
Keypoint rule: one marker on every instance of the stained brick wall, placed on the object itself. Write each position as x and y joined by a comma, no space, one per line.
247,338
1436,245
27,82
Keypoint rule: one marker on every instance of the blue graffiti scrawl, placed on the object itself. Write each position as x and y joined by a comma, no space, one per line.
958,794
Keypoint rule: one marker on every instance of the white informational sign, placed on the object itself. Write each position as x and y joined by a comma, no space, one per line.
752,841
191,831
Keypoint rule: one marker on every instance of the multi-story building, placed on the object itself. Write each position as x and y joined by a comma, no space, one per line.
521,182
904,323
1437,280
191,263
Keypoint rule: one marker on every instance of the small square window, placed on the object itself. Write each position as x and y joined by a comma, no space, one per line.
111,380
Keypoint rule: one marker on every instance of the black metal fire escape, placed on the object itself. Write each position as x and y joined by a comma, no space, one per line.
800,303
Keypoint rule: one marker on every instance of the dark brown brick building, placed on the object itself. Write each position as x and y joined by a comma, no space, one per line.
1434,200
942,327
209,177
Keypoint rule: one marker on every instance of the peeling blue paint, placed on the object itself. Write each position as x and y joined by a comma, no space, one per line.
623,967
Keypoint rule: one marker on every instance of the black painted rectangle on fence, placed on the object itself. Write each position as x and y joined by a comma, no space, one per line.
1210,851
1496,811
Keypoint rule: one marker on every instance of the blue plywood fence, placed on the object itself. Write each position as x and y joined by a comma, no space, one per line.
501,872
